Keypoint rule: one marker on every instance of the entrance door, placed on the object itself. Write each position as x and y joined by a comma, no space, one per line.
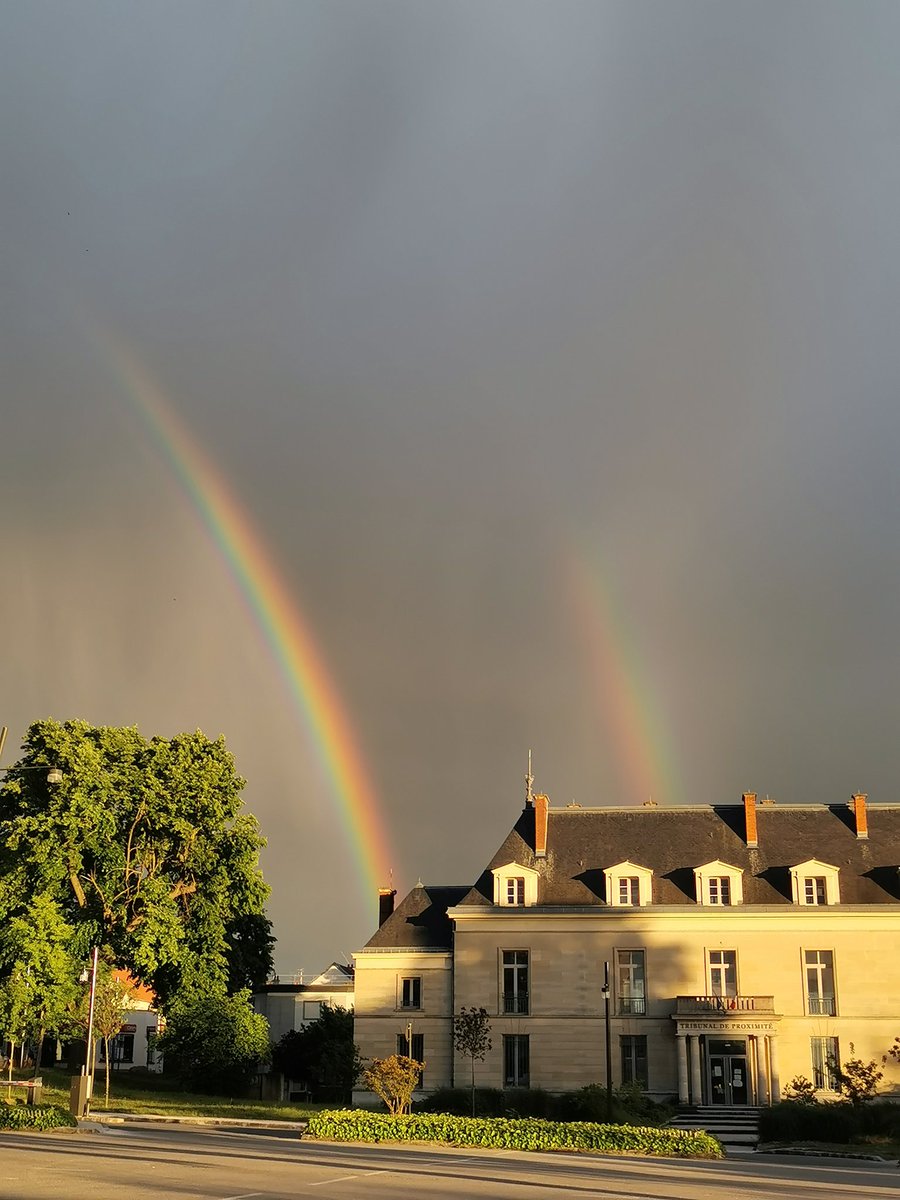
728,1082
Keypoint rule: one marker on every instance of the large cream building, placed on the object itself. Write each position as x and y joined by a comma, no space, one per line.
744,945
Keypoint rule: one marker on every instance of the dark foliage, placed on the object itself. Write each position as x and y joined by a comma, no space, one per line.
322,1056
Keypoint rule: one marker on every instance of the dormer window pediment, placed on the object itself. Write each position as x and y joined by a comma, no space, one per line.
628,885
719,884
815,883
515,886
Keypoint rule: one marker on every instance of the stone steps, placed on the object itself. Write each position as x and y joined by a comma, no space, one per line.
736,1128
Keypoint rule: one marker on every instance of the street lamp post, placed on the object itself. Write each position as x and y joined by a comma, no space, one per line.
605,990
88,1068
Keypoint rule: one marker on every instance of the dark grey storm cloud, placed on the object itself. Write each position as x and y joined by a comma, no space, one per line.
456,295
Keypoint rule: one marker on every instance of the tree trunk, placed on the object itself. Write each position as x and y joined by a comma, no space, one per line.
473,1085
106,1048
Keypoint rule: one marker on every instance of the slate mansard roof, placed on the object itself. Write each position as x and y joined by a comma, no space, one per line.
583,842
420,921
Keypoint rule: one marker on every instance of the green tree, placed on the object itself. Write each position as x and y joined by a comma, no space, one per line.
112,1003
37,973
144,848
394,1079
323,1055
215,1043
471,1035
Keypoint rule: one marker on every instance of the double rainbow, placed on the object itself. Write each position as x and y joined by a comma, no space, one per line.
277,615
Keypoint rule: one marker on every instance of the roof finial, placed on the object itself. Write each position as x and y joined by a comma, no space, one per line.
529,783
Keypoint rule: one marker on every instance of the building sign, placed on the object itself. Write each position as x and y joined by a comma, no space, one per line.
725,1026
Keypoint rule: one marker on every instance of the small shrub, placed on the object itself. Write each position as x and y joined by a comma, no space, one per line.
859,1080
35,1116
801,1091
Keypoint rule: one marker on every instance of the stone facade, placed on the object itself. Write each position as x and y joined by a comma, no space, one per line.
744,945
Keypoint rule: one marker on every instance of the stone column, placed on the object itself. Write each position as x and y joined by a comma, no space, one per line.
696,1078
762,1082
681,1041
773,1064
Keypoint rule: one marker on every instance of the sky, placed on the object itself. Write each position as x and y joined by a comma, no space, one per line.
397,387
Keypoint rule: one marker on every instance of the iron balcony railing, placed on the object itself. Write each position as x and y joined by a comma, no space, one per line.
515,1002
820,1006
634,1006
687,1006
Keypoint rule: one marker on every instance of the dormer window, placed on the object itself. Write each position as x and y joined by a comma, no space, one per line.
628,885
629,890
719,884
515,886
719,889
815,883
814,890
515,889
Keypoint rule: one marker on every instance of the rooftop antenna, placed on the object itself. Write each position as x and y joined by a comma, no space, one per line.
529,784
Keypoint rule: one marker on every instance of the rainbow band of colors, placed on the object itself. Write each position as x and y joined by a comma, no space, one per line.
275,612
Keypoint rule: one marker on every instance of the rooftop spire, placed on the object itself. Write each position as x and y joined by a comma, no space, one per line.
529,784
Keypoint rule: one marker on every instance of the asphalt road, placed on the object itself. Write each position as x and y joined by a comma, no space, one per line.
150,1163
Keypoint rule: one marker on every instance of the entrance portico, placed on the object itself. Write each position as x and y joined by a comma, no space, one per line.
727,1055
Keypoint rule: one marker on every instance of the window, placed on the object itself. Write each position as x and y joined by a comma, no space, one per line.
418,1051
718,883
516,1055
411,992
312,1010
723,972
719,889
629,890
515,889
121,1048
634,1059
515,885
825,1058
815,883
814,890
630,991
515,981
628,885
819,965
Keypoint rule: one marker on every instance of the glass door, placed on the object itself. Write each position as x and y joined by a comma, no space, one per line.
728,1080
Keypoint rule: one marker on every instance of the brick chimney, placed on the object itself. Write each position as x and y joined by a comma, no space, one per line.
858,804
385,904
750,818
541,811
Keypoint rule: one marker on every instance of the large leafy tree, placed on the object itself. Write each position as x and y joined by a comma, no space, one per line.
143,847
322,1055
215,1043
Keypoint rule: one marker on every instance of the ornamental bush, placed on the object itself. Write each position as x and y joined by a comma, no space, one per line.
512,1134
35,1116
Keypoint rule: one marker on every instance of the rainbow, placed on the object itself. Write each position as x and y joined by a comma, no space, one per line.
277,615
638,734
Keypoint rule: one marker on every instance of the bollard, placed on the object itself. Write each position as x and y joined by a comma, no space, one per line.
78,1096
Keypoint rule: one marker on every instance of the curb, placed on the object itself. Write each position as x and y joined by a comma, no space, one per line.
111,1118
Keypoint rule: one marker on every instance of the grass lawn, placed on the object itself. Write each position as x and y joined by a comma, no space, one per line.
152,1094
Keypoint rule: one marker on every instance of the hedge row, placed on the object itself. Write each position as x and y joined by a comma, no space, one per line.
838,1122
34,1116
500,1132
